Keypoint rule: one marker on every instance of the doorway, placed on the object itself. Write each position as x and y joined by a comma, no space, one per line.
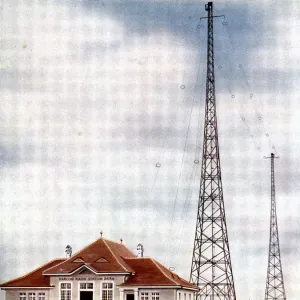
129,296
86,295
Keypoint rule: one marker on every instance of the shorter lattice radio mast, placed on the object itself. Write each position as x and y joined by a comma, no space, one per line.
275,284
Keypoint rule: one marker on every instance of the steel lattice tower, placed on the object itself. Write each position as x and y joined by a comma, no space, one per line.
274,285
211,264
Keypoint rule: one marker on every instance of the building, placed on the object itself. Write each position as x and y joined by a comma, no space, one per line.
104,270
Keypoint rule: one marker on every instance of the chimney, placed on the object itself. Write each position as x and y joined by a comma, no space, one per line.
140,250
68,251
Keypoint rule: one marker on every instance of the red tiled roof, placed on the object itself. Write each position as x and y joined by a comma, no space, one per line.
104,256
111,251
34,278
177,278
149,272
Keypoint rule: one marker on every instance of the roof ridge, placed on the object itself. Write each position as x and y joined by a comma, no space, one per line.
119,244
31,272
113,241
116,256
157,264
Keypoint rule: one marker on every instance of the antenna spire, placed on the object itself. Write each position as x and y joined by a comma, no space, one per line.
274,285
211,267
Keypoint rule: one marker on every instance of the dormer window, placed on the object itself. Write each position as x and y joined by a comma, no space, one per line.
78,260
101,260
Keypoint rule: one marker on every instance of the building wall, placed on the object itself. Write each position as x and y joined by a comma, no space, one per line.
76,279
54,293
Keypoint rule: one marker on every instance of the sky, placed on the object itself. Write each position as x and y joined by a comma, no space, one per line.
102,112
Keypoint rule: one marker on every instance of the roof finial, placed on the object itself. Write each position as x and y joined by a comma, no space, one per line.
101,234
121,240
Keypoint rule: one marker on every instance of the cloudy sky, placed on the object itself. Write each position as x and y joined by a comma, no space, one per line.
96,94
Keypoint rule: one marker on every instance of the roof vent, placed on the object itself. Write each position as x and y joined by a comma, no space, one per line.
101,260
140,250
68,251
78,260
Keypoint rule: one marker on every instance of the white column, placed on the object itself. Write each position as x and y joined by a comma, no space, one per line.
121,294
136,294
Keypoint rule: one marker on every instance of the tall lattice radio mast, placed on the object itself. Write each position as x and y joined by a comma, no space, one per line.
211,264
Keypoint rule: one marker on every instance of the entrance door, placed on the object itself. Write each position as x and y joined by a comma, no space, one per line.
129,296
86,295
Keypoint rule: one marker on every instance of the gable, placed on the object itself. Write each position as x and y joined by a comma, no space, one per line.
86,271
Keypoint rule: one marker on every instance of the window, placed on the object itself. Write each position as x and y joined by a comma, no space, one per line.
190,297
144,296
155,296
179,296
86,286
31,296
184,296
107,290
22,296
42,296
65,291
